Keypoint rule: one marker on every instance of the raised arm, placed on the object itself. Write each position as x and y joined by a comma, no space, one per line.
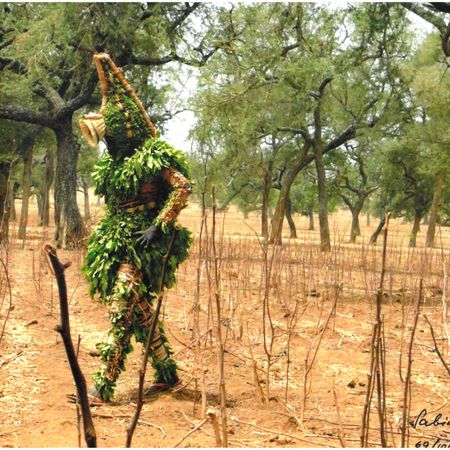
177,198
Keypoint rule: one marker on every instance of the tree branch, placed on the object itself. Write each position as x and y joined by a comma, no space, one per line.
345,136
64,329
20,114
183,16
80,100
422,12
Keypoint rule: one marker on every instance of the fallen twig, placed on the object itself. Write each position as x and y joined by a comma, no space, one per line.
10,358
292,436
190,432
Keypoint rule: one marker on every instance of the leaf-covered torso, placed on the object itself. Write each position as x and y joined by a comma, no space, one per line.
114,240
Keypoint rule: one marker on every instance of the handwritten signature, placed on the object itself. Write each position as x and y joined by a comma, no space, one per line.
421,421
437,421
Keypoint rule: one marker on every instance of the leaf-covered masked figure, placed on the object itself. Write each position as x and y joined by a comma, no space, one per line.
145,184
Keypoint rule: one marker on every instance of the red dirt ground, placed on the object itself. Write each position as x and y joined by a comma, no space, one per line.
35,377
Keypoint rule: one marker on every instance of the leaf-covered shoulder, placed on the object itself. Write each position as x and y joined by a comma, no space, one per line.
122,180
166,155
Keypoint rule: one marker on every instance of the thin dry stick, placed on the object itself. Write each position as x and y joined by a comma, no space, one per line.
8,311
212,416
267,317
376,377
77,403
190,432
436,348
281,433
143,369
196,308
221,351
149,424
64,329
309,362
258,388
292,322
407,391
370,387
445,308
341,434
379,354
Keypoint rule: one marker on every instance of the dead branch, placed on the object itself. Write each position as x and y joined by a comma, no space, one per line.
64,330
407,391
221,347
10,306
377,359
436,348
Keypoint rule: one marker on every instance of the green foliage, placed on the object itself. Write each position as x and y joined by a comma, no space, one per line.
122,180
126,129
269,80
114,242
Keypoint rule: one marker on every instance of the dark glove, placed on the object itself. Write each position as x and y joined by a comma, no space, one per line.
148,236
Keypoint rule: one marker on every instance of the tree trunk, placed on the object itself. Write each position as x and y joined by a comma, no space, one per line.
267,184
40,205
87,211
374,237
415,229
4,210
12,201
433,214
69,227
289,218
325,241
355,231
245,214
311,220
278,216
368,218
49,177
26,193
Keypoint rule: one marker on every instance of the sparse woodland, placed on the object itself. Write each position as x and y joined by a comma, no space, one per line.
313,308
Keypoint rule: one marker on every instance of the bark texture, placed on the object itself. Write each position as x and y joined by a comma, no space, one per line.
69,227
322,195
434,210
290,219
4,210
26,193
415,229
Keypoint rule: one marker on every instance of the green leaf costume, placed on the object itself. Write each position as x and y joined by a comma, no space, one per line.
145,183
